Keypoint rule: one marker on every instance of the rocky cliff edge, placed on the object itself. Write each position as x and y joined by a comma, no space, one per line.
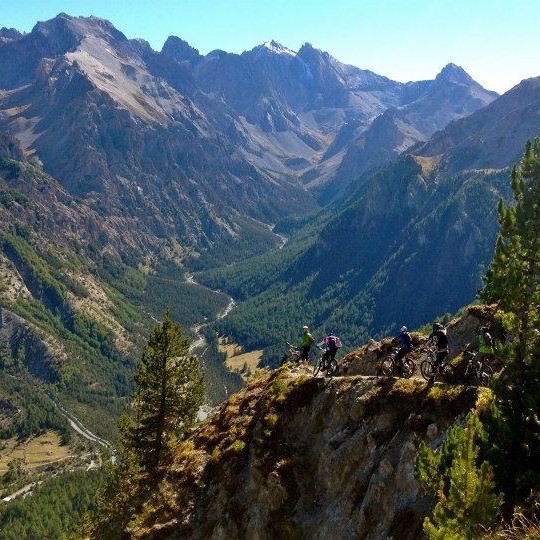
293,456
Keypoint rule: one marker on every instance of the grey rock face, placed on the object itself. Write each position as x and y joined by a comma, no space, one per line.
9,147
322,469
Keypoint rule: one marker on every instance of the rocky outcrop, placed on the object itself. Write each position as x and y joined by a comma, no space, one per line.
296,457
36,351
10,147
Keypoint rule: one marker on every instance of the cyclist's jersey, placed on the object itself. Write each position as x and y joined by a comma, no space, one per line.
484,344
405,340
440,339
307,340
331,342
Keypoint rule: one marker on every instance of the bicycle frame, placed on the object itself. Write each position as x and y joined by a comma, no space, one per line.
475,363
430,368
292,355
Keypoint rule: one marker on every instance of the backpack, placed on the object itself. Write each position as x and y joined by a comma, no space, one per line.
441,339
333,342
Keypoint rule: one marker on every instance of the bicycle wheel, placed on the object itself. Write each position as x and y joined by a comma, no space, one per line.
408,368
427,371
486,375
332,368
387,367
448,374
317,366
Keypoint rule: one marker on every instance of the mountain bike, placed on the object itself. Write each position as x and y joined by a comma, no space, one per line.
400,368
329,366
291,356
477,371
430,368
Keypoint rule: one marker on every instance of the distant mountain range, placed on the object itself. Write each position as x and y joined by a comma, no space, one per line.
189,146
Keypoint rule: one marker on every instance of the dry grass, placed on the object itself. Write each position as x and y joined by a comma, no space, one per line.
522,527
239,362
97,306
36,452
428,163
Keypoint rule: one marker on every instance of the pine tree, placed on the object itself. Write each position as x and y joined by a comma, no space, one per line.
169,394
464,491
513,282
513,279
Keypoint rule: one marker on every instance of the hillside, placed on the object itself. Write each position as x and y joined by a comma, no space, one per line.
73,314
141,155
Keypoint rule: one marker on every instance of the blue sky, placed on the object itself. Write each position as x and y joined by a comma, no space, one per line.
496,41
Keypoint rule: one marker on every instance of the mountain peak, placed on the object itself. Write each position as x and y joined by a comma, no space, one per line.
308,47
9,34
308,52
454,73
275,48
78,28
179,49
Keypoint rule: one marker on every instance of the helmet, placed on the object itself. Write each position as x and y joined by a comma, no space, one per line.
403,329
483,329
305,327
437,326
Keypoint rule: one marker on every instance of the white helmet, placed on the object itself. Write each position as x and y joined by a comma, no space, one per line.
305,327
403,329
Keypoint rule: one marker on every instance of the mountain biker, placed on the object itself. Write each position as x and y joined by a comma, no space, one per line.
305,346
485,344
404,340
332,344
439,338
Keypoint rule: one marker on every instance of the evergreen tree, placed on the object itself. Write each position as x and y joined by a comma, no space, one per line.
513,279
170,391
463,491
513,282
